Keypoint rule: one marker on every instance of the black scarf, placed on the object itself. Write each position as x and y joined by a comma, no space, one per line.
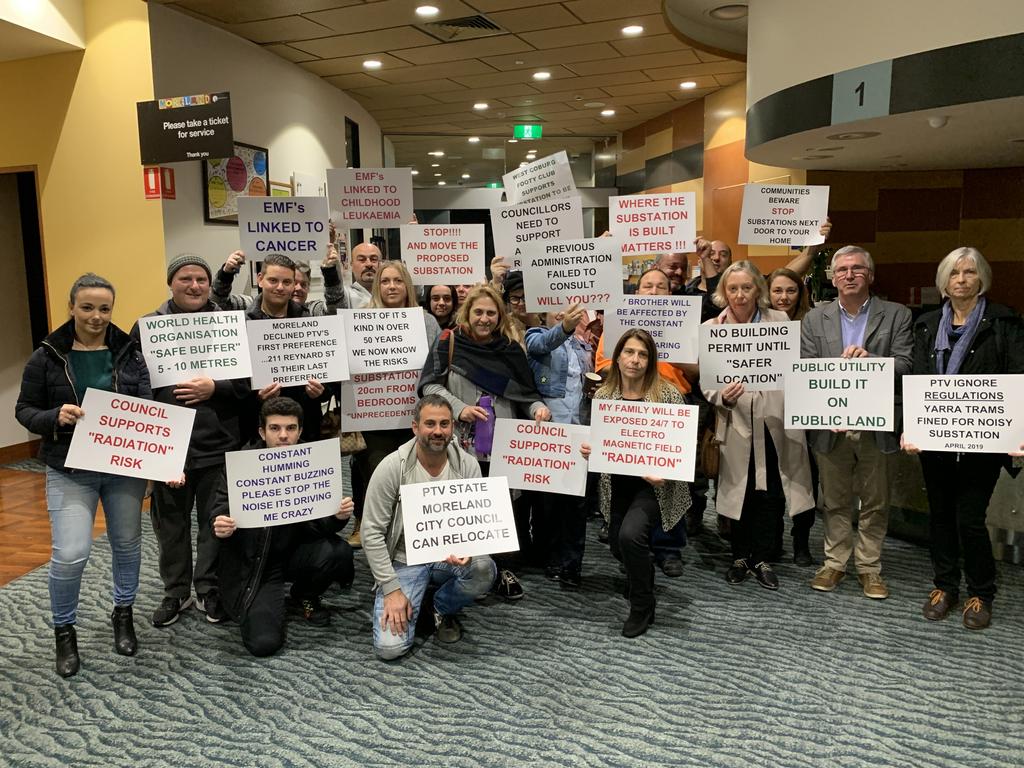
497,366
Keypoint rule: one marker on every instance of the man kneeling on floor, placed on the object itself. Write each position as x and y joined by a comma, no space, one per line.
430,456
255,563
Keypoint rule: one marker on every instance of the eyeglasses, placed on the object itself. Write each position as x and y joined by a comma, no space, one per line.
517,299
856,271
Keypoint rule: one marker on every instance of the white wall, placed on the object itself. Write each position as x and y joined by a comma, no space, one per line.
17,332
799,40
62,20
298,116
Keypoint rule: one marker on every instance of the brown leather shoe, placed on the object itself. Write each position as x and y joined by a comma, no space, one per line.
938,605
977,613
827,579
874,586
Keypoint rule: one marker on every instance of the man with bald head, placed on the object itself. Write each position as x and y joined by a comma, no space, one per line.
714,257
673,265
366,260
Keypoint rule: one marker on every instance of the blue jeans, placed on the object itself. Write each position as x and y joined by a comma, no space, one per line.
71,499
458,586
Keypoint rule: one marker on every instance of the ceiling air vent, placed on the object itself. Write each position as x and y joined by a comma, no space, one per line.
466,28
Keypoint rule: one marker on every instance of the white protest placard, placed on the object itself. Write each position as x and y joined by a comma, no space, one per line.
672,321
123,435
381,340
288,484
563,272
966,414
839,393
541,457
375,401
444,253
515,226
783,215
652,439
369,197
186,345
294,226
544,179
292,350
464,518
659,223
756,354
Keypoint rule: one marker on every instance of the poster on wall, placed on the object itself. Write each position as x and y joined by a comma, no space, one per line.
245,173
182,128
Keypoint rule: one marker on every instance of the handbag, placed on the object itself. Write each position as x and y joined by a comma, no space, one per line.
710,450
330,426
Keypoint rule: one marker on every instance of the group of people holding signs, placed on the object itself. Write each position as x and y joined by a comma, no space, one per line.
532,398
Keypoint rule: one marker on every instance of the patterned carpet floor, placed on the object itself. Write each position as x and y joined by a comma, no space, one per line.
729,676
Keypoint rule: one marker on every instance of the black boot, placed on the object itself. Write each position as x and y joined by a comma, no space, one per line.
67,650
125,642
802,549
637,622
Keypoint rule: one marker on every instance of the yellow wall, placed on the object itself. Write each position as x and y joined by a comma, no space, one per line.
72,115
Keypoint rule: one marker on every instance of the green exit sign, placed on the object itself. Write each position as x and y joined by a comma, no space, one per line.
526,131
493,185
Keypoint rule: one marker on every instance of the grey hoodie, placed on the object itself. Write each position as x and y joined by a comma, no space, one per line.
382,526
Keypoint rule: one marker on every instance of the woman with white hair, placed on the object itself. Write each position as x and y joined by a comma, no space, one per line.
967,335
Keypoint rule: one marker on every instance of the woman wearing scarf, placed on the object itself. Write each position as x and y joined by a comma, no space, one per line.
486,361
763,466
968,335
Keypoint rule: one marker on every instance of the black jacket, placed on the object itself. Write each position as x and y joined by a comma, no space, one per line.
48,383
242,557
217,427
998,346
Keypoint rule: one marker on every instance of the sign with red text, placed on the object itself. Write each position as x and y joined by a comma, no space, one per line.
783,215
643,439
540,457
549,178
464,518
672,321
660,223
288,484
449,254
293,226
369,197
189,345
563,272
840,393
291,350
515,226
381,340
758,355
965,414
375,401
123,435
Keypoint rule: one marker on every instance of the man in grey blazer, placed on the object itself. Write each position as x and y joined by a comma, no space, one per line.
853,463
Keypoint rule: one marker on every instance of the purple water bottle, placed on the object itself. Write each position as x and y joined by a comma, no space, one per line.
483,435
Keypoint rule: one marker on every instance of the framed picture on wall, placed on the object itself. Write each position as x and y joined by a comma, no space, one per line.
246,172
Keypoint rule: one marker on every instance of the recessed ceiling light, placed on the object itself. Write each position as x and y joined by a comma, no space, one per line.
415,172
688,85
594,104
607,112
521,165
541,75
729,12
436,175
852,135
441,183
527,101
437,153
474,139
435,165
633,29
427,11
480,105
513,141
465,175
605,156
519,62
372,64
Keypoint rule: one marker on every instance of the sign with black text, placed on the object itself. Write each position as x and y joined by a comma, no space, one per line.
457,517
185,128
130,436
672,321
541,457
288,484
840,393
965,414
188,345
289,351
643,439
516,226
370,197
381,340
556,274
293,226
756,354
656,223
783,215
375,401
449,254
549,178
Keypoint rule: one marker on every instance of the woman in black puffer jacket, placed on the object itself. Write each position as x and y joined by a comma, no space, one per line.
87,351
